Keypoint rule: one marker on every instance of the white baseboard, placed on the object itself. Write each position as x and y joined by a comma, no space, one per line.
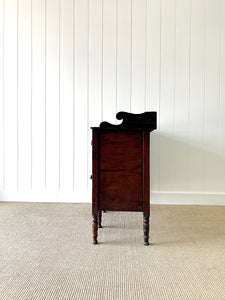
187,198
46,196
170,198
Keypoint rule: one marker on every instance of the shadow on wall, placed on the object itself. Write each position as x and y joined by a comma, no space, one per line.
178,164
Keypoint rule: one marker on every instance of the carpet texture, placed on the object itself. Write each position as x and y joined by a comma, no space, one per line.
46,253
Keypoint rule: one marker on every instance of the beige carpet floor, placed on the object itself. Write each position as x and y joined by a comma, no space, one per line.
46,253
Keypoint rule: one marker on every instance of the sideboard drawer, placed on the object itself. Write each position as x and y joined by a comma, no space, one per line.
121,191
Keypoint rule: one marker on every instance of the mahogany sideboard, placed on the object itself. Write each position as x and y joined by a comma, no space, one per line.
120,168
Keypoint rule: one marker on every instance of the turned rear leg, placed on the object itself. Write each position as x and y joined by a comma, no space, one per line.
146,230
99,219
94,229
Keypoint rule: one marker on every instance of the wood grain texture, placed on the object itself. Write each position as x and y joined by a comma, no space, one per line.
121,190
116,146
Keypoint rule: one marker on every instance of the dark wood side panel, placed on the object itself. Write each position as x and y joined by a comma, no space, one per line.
146,181
121,151
121,191
95,171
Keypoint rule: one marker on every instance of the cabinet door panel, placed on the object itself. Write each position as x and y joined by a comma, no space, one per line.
121,191
121,151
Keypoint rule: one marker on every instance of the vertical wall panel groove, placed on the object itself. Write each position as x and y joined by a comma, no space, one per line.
222,90
59,129
24,94
17,90
219,112
109,60
67,89
38,95
81,91
145,76
204,96
175,50
131,51
138,56
180,139
52,96
116,79
123,55
31,95
88,117
2,96
153,71
189,97
45,94
220,75
73,95
212,161
197,95
160,95
167,95
102,107
10,93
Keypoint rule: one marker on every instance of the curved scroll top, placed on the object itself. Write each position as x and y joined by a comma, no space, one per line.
146,120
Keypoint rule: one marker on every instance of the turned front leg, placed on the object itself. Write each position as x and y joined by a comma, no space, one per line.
146,230
99,219
94,229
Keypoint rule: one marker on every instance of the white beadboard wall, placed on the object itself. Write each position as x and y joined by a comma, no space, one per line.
66,65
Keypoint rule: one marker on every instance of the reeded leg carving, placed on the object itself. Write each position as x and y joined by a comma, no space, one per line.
146,230
99,219
94,229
